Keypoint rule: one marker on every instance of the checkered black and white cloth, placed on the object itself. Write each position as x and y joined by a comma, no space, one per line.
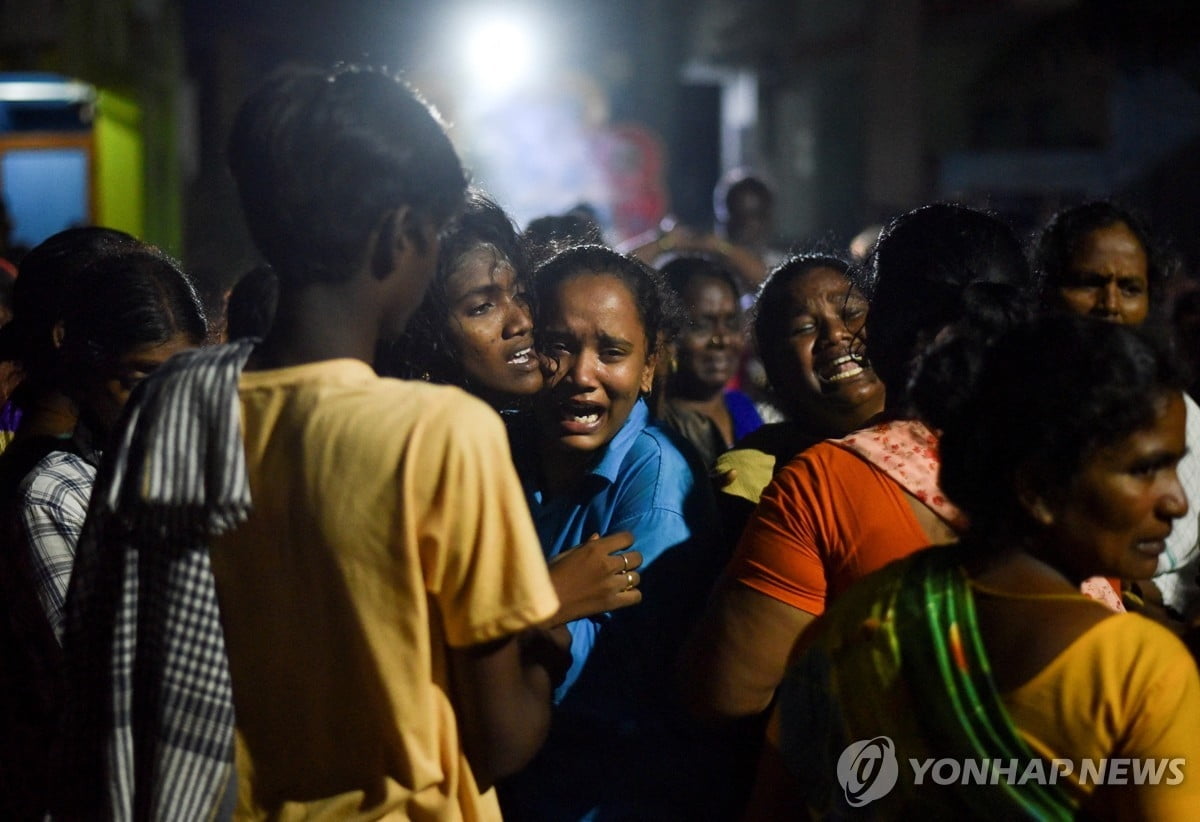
53,505
148,721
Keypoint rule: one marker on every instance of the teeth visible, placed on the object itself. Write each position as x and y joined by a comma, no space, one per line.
521,357
844,375
836,370
587,420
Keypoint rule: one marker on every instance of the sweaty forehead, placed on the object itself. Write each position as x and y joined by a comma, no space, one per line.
597,301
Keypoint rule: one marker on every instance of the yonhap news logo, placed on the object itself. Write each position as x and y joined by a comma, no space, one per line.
868,770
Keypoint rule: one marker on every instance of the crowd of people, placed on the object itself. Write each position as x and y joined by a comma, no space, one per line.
460,522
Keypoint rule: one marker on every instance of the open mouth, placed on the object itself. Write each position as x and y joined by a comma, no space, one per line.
580,417
1151,547
841,369
523,359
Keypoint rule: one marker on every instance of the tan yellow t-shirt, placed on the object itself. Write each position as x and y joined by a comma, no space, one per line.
1125,690
388,524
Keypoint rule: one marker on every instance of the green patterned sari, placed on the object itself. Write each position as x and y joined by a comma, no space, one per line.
900,656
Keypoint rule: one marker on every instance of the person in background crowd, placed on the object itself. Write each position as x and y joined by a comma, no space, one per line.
844,508
704,359
546,236
37,414
1060,443
809,333
600,465
1100,260
120,317
744,208
379,588
125,316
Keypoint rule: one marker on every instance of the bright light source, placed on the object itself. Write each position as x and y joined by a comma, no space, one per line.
500,52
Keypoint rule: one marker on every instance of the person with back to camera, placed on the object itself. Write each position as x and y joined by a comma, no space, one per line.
846,507
325,576
475,329
1100,260
1060,444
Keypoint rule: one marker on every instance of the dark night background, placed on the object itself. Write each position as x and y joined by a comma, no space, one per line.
853,110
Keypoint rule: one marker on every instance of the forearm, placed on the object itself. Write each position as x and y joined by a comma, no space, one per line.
737,655
502,701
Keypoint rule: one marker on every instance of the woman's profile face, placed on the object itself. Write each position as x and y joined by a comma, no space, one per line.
600,364
1116,513
490,325
1107,276
821,344
709,350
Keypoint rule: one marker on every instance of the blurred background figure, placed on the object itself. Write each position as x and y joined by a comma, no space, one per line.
1186,319
744,208
546,236
698,401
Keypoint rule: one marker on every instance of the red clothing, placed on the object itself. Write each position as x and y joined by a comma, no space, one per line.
827,519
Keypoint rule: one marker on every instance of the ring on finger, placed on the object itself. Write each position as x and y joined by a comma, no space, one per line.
624,563
628,581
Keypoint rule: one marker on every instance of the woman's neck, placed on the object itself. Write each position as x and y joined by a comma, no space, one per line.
714,408
52,414
1017,567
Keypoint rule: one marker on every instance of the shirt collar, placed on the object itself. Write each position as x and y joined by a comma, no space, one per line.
609,465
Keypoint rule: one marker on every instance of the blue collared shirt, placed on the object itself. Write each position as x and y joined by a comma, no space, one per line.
642,483
614,709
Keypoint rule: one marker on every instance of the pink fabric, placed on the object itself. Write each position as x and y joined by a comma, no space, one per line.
1101,590
907,452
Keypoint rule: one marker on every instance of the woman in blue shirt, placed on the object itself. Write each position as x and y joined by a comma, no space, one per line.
599,465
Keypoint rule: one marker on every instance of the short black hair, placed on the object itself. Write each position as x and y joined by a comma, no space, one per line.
680,271
548,235
320,157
